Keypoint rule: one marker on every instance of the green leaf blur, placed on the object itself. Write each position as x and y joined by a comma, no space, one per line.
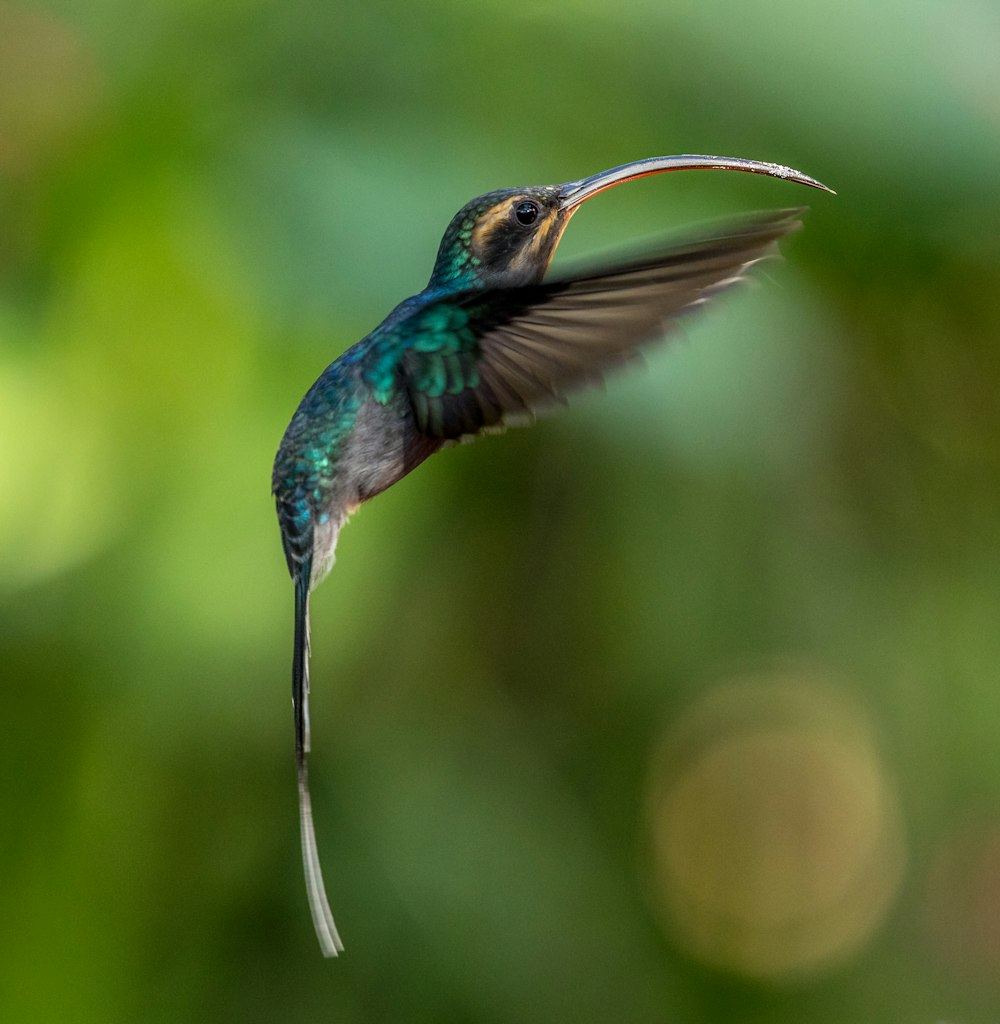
683,705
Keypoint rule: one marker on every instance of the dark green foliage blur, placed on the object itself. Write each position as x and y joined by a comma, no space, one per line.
683,705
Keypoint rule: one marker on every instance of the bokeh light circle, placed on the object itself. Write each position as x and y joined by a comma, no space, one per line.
776,835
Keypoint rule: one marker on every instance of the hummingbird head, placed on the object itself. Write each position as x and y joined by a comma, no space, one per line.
507,238
502,239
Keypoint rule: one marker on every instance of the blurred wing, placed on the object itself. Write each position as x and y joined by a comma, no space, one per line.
486,359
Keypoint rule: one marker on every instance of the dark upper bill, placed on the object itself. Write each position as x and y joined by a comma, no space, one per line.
575,192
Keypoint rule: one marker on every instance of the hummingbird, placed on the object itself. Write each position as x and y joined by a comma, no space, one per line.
490,342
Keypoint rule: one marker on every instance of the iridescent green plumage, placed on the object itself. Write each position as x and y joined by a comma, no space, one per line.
487,343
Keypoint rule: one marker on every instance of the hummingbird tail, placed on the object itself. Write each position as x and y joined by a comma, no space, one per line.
326,930
300,660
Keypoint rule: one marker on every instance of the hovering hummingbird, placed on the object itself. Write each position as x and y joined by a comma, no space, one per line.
487,343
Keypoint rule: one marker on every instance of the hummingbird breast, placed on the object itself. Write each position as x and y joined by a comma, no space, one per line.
383,447
322,476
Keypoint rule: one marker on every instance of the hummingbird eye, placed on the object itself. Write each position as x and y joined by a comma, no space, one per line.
526,212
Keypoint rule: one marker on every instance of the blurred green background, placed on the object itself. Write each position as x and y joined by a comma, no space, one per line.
680,706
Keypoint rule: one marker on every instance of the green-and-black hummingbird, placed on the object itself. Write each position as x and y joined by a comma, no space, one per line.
489,342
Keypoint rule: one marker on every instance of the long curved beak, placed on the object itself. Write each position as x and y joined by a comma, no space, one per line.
575,192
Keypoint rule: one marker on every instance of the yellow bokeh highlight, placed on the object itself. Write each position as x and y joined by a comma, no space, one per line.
776,833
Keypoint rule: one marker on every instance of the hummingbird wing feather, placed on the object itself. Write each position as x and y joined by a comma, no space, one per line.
490,358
